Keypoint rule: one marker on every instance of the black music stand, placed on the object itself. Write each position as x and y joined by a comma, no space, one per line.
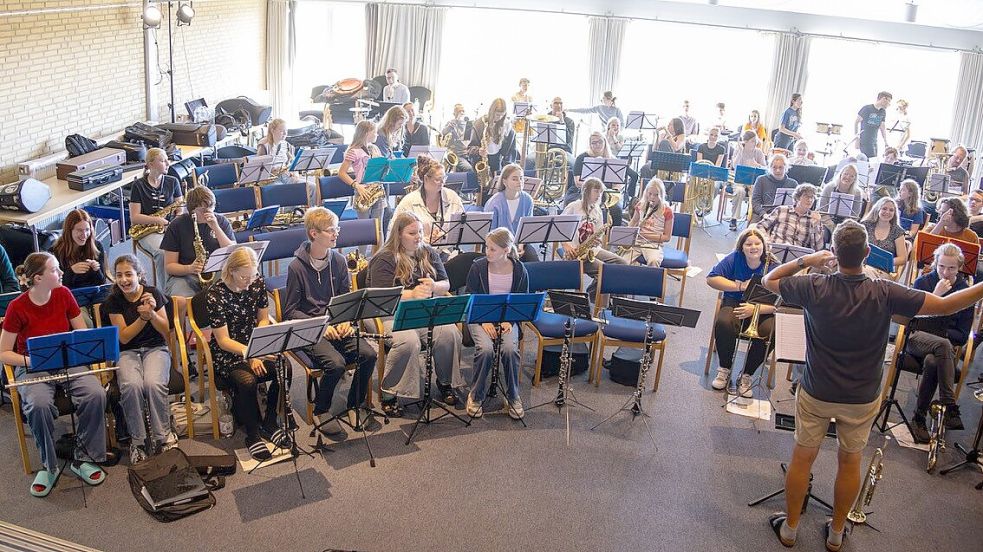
573,305
430,313
252,173
974,457
787,423
808,174
838,205
462,229
354,307
785,252
277,339
650,314
783,196
612,172
59,353
670,162
551,134
892,402
514,308
547,229
313,159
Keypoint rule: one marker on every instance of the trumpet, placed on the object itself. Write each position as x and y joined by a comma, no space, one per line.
874,475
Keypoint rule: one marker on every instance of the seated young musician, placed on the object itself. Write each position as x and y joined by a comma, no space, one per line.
673,137
754,125
180,263
598,147
613,136
458,130
151,193
844,183
236,304
653,217
499,271
138,310
732,276
800,155
975,202
431,202
934,340
78,251
510,204
884,231
47,307
594,218
391,132
8,278
712,151
417,133
276,145
910,203
498,136
747,154
405,260
954,220
797,224
353,167
766,185
317,274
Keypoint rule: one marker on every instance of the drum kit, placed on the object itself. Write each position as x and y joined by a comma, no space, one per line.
830,130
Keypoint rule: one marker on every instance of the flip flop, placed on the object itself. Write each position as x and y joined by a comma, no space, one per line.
775,521
44,481
827,528
88,472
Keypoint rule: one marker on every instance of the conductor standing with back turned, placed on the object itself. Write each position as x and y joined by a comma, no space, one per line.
847,317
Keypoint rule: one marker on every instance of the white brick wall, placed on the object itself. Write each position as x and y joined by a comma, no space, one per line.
83,72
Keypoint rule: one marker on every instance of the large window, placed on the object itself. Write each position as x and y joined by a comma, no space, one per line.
845,75
330,45
663,64
486,52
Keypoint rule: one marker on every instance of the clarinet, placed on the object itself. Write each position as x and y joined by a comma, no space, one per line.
643,370
565,360
288,414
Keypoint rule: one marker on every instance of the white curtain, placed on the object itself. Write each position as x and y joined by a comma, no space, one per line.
967,114
280,50
406,38
606,37
789,73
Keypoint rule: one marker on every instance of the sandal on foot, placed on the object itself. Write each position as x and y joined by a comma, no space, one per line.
827,529
259,451
44,481
775,521
278,438
88,472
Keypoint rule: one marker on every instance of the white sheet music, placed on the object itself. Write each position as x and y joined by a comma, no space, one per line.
790,337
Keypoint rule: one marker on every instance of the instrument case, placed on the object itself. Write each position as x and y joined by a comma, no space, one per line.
102,157
191,134
82,181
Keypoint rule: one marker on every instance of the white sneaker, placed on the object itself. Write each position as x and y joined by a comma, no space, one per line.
723,378
744,386
137,454
474,408
170,441
515,410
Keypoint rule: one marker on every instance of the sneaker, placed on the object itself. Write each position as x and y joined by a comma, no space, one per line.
170,441
137,454
733,224
744,386
919,432
474,408
952,419
723,378
515,409
447,394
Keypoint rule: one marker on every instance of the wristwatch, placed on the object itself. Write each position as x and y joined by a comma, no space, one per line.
800,262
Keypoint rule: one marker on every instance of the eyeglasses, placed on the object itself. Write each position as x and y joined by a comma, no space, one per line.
331,230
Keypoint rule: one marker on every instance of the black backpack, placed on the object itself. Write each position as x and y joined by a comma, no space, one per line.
77,145
158,466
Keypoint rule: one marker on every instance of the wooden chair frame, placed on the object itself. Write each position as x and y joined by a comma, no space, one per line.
712,347
963,352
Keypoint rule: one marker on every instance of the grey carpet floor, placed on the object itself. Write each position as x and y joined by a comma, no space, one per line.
499,486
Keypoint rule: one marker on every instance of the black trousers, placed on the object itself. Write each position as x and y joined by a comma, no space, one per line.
245,408
726,329
332,357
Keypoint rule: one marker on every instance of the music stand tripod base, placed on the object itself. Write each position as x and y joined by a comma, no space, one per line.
805,503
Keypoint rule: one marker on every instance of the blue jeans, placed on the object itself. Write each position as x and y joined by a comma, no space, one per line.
484,362
143,376
89,398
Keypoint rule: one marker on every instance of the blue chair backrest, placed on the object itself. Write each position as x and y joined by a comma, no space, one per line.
230,200
222,175
283,243
633,280
681,224
333,186
339,154
285,195
554,275
357,232
678,192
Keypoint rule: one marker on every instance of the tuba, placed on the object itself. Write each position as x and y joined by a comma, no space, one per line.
700,194
874,475
140,231
201,254
553,173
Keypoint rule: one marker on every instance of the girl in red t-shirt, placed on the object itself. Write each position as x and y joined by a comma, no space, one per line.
47,308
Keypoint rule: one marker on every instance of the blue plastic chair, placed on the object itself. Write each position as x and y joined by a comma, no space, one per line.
283,244
331,187
284,195
548,327
223,175
648,281
360,232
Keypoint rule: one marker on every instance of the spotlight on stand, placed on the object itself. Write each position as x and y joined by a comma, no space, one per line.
152,17
185,13
911,12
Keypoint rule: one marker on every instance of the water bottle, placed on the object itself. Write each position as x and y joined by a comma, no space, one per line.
226,424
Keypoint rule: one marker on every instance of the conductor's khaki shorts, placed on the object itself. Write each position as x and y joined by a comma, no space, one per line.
853,421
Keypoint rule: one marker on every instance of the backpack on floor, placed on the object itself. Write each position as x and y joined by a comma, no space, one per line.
153,470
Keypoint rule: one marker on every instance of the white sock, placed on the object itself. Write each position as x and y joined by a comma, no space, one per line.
788,533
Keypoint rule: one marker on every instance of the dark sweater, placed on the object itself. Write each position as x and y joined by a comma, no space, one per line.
957,326
309,291
8,278
478,277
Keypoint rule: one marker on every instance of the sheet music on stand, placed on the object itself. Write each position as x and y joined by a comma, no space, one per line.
639,120
863,173
553,134
530,185
254,172
786,252
837,204
463,229
548,228
632,149
313,159
609,171
522,110
623,236
434,152
216,260
784,196
790,337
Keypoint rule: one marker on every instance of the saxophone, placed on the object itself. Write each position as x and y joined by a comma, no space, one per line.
481,167
140,231
200,252
356,262
450,158
373,192
585,251
874,474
